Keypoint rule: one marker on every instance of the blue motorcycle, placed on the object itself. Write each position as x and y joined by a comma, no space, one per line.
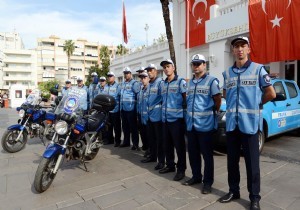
30,124
76,136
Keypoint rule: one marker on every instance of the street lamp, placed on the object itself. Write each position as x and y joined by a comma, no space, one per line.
146,29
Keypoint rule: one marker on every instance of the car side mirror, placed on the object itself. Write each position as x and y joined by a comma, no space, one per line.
44,99
280,97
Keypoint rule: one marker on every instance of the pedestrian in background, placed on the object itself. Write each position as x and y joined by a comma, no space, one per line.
247,86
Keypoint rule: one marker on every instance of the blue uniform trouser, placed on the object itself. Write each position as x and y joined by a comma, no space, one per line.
250,145
143,133
115,125
129,125
173,136
200,143
156,141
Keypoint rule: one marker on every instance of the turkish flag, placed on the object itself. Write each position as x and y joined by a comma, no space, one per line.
274,27
197,12
124,28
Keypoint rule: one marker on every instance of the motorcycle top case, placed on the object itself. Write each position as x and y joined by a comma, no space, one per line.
104,102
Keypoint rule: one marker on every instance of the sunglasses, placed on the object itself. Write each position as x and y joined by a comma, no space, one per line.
68,82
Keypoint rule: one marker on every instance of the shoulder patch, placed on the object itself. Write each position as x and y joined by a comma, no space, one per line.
267,78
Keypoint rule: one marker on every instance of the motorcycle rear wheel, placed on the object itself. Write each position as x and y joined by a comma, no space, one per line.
9,143
44,176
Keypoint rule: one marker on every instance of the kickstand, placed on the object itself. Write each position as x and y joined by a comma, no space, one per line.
83,163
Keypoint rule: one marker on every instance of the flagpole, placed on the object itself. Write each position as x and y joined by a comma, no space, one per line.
188,38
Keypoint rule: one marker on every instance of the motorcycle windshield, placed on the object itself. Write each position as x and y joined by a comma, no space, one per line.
33,98
70,104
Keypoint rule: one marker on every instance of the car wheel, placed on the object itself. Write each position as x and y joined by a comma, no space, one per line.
261,139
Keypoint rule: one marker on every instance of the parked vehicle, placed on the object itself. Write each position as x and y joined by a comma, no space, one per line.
30,124
279,115
76,136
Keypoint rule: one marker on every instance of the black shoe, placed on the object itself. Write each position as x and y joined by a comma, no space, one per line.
206,189
147,154
135,148
166,170
117,145
107,142
148,160
144,148
159,166
228,197
191,181
254,205
124,145
179,176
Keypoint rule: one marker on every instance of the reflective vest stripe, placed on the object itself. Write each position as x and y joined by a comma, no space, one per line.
247,111
172,110
154,107
201,113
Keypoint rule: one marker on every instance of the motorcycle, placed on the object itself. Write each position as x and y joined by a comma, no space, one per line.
30,124
76,137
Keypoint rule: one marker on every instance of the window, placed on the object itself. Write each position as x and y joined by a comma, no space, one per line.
279,88
291,89
18,94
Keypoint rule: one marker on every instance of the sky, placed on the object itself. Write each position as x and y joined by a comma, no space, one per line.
94,20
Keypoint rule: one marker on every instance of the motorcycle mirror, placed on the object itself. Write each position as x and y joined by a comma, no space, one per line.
44,99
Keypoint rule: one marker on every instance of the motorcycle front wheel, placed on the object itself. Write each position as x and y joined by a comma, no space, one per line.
44,175
9,143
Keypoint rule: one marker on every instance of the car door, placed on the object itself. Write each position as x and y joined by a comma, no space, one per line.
278,108
293,104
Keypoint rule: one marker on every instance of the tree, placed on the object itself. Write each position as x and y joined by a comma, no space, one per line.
166,15
121,50
46,86
69,48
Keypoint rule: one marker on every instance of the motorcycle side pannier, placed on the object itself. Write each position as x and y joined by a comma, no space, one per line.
104,102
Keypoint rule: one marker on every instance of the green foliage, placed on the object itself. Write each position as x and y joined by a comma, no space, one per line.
121,50
69,48
46,86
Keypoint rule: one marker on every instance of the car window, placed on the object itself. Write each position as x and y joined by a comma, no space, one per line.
278,86
291,89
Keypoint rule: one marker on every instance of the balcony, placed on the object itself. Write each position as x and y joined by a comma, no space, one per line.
17,60
16,69
18,78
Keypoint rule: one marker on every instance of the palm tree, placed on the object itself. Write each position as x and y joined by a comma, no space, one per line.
69,48
166,15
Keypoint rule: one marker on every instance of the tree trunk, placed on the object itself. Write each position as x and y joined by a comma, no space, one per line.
166,15
69,71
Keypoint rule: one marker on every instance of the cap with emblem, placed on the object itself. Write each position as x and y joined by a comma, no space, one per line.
166,61
151,66
79,78
127,69
68,81
110,73
94,74
140,69
240,39
143,74
198,59
102,79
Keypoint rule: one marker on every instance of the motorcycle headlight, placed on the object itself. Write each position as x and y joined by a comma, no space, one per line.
22,113
61,127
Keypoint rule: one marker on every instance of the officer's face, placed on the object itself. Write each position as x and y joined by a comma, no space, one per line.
102,83
169,69
241,50
152,73
144,80
68,84
127,75
111,79
198,68
79,83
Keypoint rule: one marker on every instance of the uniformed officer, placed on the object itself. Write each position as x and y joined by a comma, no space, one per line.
247,87
65,90
101,85
114,118
154,125
203,101
92,88
143,109
173,103
141,127
84,99
129,90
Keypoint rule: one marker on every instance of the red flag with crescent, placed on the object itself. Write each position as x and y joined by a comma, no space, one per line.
274,27
197,12
124,27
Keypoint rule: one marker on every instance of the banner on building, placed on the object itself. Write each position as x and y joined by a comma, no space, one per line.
197,12
274,30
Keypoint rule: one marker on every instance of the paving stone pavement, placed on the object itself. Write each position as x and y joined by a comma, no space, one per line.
118,180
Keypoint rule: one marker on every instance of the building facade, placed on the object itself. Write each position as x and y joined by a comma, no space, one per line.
228,19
